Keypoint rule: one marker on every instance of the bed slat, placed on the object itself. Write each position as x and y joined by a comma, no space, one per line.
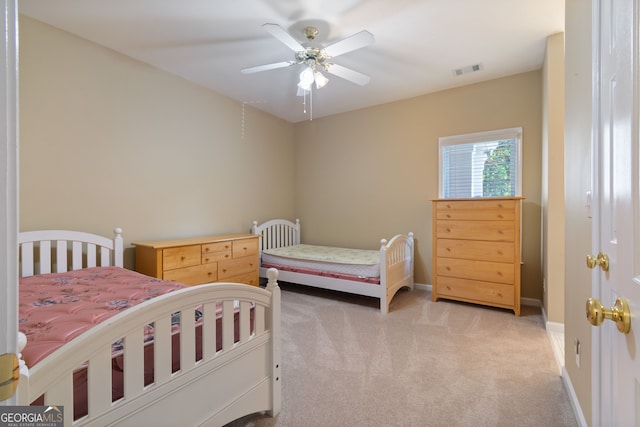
91,255
245,321
162,359
61,394
209,337
133,363
99,382
45,257
227,325
26,256
61,256
187,339
259,320
76,255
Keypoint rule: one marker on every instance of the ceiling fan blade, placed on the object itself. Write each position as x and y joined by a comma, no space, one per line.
347,74
281,34
267,67
356,41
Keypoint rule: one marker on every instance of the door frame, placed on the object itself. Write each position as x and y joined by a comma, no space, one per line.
9,186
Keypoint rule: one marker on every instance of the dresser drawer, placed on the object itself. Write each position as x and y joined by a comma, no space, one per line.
204,273
503,231
474,291
245,247
480,270
181,256
246,279
219,251
237,266
488,209
478,250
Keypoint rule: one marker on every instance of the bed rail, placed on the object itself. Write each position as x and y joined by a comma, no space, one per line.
47,251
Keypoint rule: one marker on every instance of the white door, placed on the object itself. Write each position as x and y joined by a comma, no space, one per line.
616,225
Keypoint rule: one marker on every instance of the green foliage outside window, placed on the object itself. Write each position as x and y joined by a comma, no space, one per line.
496,174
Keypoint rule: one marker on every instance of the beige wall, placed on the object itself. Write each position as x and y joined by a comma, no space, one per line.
107,141
553,179
369,174
162,157
577,182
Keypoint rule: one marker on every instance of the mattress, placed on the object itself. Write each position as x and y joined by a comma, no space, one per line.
359,263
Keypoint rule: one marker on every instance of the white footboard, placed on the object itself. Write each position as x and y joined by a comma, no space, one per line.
241,377
397,259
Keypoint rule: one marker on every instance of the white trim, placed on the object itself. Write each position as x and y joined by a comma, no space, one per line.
573,398
9,186
423,286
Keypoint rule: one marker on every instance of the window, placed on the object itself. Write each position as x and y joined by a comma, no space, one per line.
484,164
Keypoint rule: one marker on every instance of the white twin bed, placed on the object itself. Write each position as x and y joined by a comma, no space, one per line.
375,273
219,361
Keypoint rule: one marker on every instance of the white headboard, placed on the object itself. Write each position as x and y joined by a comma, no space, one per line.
277,233
46,251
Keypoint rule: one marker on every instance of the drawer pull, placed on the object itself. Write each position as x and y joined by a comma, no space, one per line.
209,273
226,256
448,216
500,216
206,249
182,258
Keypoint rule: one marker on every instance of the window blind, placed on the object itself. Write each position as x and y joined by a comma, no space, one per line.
480,169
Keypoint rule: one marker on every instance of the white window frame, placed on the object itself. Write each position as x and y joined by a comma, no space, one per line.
494,135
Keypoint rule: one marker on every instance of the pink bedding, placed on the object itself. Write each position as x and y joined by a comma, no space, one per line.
55,308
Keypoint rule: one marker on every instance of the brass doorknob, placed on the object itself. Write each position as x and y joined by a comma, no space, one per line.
601,260
619,313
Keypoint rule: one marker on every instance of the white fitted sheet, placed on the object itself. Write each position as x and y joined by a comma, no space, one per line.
357,262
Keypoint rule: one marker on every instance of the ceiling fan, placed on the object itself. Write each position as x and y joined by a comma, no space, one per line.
316,59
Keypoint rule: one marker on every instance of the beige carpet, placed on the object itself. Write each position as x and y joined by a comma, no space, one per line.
423,364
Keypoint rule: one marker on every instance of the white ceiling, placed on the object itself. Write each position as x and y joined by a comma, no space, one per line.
418,43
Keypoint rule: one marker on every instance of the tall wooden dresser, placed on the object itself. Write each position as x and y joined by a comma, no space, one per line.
476,251
198,260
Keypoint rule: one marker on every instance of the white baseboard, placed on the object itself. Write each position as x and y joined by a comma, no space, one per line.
423,286
575,404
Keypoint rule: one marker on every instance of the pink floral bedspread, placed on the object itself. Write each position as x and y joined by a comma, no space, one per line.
55,308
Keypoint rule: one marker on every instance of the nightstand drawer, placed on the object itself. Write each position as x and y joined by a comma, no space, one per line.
179,257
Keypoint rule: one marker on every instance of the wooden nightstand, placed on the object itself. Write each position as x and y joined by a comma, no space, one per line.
198,260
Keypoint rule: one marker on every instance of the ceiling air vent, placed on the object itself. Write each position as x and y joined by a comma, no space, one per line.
468,69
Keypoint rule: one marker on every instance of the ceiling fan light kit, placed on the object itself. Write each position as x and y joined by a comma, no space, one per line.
315,58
